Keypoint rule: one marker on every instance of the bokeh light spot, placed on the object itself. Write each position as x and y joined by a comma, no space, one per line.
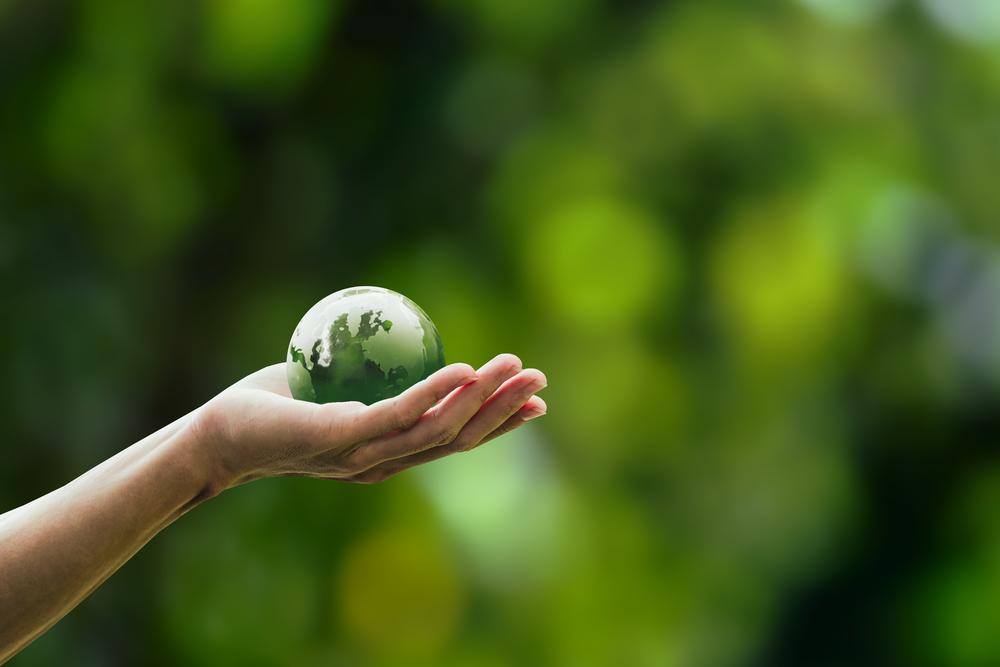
505,505
264,44
972,20
543,172
601,262
780,281
849,11
399,594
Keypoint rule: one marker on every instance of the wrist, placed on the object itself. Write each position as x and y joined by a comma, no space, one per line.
196,452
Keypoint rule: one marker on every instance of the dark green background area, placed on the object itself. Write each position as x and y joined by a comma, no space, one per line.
753,245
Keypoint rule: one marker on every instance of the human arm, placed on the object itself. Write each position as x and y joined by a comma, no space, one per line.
57,549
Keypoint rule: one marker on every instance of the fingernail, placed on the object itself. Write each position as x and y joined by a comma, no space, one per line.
532,415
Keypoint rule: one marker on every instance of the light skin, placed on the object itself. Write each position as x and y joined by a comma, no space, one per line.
57,549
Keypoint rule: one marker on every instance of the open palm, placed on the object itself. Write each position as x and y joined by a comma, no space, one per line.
256,429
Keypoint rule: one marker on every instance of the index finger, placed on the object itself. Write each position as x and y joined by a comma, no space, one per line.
400,412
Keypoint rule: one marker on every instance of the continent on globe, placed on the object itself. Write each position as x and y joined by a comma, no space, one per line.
361,344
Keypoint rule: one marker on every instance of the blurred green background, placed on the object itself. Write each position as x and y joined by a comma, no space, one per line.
753,244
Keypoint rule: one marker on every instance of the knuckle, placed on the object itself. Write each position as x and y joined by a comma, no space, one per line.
354,463
346,406
326,425
335,422
445,435
337,464
400,417
439,393
513,402
439,396
465,445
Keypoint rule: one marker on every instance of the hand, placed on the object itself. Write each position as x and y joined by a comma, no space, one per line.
55,550
255,429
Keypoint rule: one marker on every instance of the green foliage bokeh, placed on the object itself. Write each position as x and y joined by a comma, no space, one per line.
753,245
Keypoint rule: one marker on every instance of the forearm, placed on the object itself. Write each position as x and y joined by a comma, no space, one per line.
57,549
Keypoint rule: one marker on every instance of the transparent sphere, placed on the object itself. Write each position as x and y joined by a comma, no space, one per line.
361,344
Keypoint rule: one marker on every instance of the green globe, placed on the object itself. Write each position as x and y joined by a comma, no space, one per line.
361,344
